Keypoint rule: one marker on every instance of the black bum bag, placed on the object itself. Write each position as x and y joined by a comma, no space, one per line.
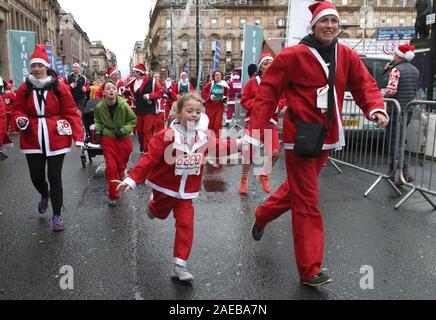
310,139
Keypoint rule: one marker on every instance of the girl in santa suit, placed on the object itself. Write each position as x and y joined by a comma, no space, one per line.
182,86
301,72
114,121
272,145
5,141
173,167
9,99
47,116
215,95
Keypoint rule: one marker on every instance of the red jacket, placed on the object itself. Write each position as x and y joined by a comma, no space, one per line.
55,109
157,167
5,141
9,100
249,96
297,72
235,90
175,90
205,94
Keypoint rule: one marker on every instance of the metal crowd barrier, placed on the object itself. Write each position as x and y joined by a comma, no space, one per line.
418,150
369,148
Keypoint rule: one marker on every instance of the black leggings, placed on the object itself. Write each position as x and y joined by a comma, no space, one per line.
36,163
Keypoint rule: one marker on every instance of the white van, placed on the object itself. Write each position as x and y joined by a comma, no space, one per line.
352,116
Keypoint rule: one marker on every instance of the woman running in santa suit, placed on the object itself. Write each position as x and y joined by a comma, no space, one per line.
272,142
5,141
48,118
215,95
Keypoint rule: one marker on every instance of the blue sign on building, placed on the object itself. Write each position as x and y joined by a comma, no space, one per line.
395,33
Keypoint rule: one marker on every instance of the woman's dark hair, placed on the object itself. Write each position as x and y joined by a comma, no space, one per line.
215,72
252,69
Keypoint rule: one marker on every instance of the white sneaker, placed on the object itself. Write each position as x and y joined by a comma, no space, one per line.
101,170
182,274
147,209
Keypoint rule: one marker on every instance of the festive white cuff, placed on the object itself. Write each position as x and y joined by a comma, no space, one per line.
378,110
79,144
130,182
27,124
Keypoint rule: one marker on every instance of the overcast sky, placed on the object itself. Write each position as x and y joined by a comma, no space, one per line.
119,24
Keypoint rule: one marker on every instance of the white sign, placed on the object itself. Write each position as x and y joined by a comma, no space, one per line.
430,19
298,21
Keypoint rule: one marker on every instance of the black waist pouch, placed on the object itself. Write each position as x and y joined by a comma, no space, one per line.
310,139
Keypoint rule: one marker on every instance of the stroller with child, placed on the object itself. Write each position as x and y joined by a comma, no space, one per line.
92,146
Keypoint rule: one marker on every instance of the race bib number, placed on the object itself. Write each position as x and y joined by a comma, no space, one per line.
189,164
64,128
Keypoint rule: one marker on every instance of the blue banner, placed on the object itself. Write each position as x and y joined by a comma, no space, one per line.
216,59
49,51
59,66
395,33
253,42
21,46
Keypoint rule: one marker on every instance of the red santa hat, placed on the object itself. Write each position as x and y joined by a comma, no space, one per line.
235,75
40,56
264,57
322,9
11,82
140,68
405,51
111,71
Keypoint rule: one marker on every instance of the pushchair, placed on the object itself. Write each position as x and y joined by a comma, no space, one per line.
92,146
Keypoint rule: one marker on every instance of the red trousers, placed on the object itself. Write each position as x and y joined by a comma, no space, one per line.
116,155
183,210
160,122
299,193
9,124
215,115
146,127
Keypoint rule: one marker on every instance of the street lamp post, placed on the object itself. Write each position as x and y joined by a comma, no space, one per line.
197,43
432,82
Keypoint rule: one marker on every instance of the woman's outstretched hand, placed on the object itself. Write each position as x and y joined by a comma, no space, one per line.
122,184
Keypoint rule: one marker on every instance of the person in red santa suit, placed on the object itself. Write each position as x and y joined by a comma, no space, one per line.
167,88
235,91
5,141
215,95
147,91
114,121
301,73
160,109
183,86
174,167
47,116
115,75
272,150
9,100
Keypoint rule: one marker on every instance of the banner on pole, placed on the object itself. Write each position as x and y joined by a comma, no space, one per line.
49,51
216,59
59,66
21,46
253,42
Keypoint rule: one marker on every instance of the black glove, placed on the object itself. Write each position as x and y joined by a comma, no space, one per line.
225,100
118,133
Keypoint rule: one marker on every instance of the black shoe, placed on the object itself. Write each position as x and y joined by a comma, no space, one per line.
257,232
3,156
318,280
141,148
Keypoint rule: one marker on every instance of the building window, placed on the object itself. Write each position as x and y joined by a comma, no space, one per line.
402,23
168,23
213,45
389,22
344,22
242,1
226,1
281,23
229,46
257,21
242,47
213,23
212,1
184,46
168,45
344,2
228,23
242,22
